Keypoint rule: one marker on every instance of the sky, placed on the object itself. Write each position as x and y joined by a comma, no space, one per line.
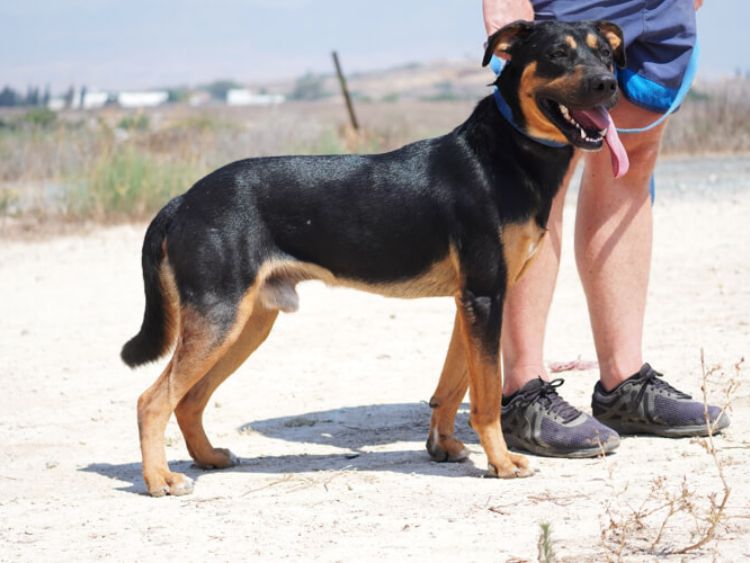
112,44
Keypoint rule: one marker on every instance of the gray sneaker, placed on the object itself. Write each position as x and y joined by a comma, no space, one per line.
646,404
536,419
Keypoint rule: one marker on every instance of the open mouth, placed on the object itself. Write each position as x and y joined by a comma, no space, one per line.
585,129
588,129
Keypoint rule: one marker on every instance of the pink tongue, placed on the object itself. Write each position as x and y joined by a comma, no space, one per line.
599,118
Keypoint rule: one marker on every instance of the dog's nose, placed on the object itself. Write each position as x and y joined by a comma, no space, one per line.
603,84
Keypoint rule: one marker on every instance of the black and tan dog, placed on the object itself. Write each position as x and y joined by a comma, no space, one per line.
459,215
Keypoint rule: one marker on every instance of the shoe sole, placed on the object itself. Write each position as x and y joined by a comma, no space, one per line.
692,431
543,451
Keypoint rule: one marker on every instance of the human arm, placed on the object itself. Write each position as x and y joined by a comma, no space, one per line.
498,13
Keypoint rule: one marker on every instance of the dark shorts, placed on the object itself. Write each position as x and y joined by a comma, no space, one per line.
659,40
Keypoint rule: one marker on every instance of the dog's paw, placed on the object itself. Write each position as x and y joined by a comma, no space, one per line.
219,458
514,466
174,484
446,449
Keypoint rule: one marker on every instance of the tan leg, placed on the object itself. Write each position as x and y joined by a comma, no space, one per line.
198,349
189,411
451,389
483,364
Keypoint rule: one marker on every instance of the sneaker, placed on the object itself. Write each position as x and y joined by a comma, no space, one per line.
536,419
646,404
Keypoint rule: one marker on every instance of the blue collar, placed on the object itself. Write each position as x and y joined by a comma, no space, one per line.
507,113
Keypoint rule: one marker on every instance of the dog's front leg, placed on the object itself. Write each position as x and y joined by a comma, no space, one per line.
480,316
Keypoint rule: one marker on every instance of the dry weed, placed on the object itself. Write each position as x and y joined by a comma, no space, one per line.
674,518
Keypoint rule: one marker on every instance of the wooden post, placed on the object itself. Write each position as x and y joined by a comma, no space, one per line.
345,91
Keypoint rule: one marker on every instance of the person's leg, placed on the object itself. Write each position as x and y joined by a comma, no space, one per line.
535,417
613,253
527,304
613,246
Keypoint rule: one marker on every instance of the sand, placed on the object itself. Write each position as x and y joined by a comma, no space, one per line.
329,419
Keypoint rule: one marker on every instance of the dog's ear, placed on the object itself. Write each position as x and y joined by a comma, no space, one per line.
613,34
500,42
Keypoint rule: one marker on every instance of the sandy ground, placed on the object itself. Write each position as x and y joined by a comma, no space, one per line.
329,418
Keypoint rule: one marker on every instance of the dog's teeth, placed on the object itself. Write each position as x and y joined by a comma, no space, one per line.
565,112
602,133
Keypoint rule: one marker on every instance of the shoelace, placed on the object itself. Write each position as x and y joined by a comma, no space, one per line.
651,377
547,393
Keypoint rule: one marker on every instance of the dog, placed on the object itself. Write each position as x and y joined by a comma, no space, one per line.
460,216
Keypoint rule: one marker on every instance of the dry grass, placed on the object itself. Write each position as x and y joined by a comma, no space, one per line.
113,165
675,517
717,119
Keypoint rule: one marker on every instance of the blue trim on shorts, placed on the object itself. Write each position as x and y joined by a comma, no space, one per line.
644,92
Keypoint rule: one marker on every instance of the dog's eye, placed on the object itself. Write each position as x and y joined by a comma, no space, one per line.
606,51
558,54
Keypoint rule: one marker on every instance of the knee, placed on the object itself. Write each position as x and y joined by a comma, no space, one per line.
643,157
482,319
481,312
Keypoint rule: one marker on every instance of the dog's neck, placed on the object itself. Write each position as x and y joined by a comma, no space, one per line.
516,167
506,111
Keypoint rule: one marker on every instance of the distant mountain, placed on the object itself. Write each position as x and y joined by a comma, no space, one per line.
437,80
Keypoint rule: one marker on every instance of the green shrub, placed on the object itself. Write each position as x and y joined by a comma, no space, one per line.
134,122
129,183
40,117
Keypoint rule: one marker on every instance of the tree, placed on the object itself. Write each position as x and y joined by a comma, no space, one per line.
219,88
9,97
32,96
68,97
309,87
47,96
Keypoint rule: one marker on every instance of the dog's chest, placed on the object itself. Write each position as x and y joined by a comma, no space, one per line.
521,242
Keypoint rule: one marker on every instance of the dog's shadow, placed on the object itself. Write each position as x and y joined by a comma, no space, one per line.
358,428
362,433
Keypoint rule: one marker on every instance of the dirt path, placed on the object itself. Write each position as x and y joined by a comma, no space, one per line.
330,420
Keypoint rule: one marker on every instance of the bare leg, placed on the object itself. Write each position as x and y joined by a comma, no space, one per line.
613,246
527,304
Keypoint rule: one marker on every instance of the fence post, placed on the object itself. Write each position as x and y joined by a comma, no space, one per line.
345,91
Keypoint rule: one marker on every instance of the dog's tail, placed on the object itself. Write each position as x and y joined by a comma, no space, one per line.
160,319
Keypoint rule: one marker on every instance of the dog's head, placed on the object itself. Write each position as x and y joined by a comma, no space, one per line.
559,78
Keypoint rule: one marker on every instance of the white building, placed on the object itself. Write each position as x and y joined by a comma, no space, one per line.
56,104
93,100
244,97
142,99
89,100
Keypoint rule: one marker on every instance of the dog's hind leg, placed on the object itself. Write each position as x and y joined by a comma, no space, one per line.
189,411
451,389
200,344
